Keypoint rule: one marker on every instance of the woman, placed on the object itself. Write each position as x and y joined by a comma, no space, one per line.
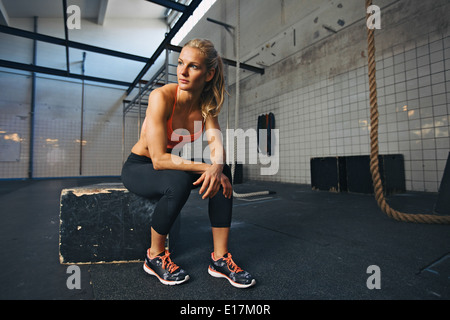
154,171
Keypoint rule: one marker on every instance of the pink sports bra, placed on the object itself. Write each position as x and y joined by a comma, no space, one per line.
173,139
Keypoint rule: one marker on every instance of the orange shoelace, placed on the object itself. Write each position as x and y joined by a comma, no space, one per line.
167,263
231,264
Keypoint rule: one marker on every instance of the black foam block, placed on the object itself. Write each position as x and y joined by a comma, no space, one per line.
329,174
352,174
106,223
443,202
391,169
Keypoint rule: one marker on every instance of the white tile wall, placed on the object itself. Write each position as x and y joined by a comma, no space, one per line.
331,117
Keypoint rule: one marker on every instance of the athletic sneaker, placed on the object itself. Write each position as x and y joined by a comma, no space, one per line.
226,268
164,269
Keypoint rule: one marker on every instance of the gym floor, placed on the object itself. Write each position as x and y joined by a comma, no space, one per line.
299,244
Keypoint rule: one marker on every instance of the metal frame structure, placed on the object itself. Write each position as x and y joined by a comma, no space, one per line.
171,5
161,76
186,10
139,103
70,44
169,36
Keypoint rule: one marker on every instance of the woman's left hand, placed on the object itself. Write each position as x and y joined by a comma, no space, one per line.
226,185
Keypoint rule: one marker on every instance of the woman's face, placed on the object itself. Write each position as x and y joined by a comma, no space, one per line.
191,71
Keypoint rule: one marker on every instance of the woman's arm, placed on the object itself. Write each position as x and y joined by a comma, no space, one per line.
215,141
213,178
158,111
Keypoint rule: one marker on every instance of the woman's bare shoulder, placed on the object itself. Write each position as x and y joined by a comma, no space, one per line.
167,92
162,98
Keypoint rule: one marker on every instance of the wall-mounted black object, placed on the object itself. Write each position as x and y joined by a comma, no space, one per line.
443,202
265,122
238,174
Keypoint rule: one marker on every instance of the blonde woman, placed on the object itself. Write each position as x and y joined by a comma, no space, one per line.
153,171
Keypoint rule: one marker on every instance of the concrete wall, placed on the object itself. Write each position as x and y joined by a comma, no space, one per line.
57,128
317,85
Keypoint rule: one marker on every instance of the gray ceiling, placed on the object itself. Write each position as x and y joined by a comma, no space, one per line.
90,9
99,11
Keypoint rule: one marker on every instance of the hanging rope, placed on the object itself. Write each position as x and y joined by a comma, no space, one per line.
378,188
236,108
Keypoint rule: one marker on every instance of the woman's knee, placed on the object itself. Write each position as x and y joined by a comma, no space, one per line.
178,188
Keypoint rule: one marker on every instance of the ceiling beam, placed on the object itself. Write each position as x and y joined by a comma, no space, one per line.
4,18
171,5
169,36
102,12
225,61
66,35
58,72
71,44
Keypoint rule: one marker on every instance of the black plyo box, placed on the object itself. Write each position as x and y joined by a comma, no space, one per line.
329,174
106,223
390,167
352,174
443,202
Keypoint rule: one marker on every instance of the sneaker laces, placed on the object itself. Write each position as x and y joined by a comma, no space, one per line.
167,263
231,264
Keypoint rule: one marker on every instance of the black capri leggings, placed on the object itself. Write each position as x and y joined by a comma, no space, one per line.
172,189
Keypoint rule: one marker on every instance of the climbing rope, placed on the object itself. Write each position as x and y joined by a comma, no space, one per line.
236,108
378,188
